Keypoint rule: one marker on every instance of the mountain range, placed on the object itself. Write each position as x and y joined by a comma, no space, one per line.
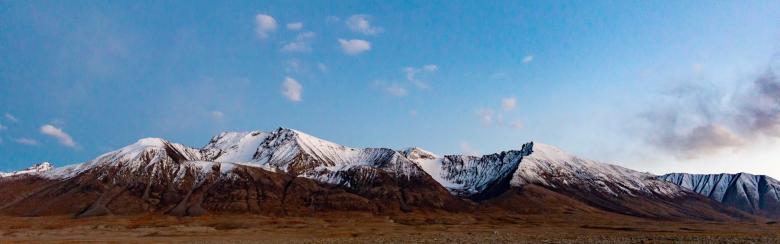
287,172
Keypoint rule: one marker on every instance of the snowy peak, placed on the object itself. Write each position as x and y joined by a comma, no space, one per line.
40,167
550,153
416,153
34,169
285,147
552,167
751,193
135,157
234,146
302,154
146,145
469,176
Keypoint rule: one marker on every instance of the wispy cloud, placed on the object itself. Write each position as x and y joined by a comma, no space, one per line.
264,24
217,115
57,133
322,67
26,141
759,109
293,66
528,59
393,89
699,120
517,124
360,23
485,115
509,103
489,117
291,89
3,127
354,46
412,72
11,118
302,43
295,26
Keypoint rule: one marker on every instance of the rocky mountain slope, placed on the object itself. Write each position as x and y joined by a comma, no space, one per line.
289,172
757,194
605,186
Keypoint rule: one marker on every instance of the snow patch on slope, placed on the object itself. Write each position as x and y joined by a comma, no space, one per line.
552,167
466,175
38,168
234,146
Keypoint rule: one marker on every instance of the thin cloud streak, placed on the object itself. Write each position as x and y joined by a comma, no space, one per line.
57,133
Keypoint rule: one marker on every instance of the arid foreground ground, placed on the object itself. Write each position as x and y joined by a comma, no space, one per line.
361,228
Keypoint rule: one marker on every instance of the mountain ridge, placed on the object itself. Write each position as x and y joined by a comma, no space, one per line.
757,194
275,172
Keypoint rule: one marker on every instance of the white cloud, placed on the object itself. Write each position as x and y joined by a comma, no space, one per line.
62,137
294,26
291,89
466,149
264,24
528,59
509,103
11,117
296,47
430,67
27,141
411,74
217,115
354,46
489,117
395,90
302,43
359,23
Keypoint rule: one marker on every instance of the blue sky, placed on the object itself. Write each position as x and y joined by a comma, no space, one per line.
655,86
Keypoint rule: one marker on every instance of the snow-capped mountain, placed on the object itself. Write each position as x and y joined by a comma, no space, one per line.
287,170
35,169
236,171
758,194
469,176
301,154
552,167
605,186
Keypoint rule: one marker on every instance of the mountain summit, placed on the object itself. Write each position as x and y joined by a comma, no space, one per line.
290,172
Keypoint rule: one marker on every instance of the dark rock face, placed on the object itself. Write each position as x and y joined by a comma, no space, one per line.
187,189
756,194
